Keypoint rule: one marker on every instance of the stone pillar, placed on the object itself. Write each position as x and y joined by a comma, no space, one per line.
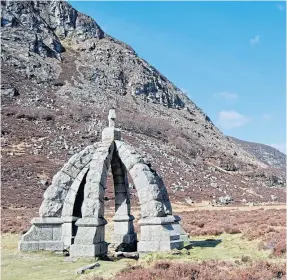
158,234
90,238
123,238
68,233
45,234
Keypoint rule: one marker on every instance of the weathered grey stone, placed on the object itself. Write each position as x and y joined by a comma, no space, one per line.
152,208
80,250
51,245
67,230
28,246
153,246
9,92
83,269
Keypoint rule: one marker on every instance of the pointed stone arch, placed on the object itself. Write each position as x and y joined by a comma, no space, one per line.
84,177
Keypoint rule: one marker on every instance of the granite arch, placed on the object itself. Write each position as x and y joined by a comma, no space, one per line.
81,183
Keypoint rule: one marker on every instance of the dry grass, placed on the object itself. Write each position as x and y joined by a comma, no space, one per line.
207,270
269,226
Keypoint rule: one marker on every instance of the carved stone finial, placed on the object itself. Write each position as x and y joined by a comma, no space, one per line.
112,117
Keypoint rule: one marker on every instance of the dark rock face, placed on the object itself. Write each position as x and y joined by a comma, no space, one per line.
68,73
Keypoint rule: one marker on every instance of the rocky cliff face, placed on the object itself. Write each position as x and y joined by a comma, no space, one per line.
264,153
60,75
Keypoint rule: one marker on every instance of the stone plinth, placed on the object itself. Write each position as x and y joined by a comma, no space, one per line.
124,238
158,234
45,234
90,238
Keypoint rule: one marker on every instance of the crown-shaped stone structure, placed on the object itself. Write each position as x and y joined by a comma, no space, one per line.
71,216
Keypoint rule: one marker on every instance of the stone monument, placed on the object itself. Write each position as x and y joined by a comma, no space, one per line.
72,213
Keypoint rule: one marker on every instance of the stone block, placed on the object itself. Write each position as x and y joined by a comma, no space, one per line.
169,219
130,157
28,246
45,233
123,227
91,222
137,169
119,144
96,177
57,233
158,233
71,195
31,235
47,221
87,235
51,245
71,170
152,208
93,206
148,193
80,250
50,208
153,246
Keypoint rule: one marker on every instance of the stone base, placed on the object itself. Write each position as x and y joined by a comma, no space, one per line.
41,245
90,238
159,234
81,250
124,238
124,242
153,246
45,234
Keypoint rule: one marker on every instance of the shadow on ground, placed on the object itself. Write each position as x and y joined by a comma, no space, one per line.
204,243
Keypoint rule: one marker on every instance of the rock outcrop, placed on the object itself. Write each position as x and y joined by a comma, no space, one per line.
263,153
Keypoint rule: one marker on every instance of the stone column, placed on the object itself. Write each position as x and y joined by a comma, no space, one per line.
123,238
90,237
158,234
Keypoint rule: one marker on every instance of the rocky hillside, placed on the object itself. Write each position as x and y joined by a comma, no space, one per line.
60,75
263,153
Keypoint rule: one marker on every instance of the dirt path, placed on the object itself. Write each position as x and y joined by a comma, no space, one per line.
183,208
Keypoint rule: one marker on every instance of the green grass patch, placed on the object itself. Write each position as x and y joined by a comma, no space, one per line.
18,265
227,247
